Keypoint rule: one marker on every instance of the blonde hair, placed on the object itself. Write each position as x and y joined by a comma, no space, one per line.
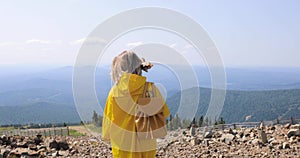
127,62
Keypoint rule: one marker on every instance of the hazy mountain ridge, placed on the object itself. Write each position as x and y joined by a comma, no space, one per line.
53,88
259,105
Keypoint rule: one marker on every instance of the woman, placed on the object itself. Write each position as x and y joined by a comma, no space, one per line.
119,114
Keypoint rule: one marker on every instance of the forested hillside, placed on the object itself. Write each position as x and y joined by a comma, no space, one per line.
257,105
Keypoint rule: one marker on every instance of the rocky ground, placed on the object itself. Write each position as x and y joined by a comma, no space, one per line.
272,141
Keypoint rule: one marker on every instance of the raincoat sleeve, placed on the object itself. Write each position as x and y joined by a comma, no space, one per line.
107,118
166,110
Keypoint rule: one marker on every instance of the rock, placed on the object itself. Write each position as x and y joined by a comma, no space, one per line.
206,142
175,134
286,145
262,125
247,132
74,151
287,126
38,140
293,132
271,140
263,136
22,144
252,135
217,135
227,138
244,139
33,153
19,152
32,147
297,126
274,142
41,150
194,141
54,145
55,154
255,142
208,134
4,152
192,131
41,147
63,153
63,145
273,128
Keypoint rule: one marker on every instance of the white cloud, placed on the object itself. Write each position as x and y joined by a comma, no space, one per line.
29,42
37,41
188,46
134,44
7,44
173,45
89,40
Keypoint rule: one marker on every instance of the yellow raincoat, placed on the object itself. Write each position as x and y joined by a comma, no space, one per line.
119,121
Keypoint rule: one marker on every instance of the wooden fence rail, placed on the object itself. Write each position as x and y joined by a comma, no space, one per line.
62,131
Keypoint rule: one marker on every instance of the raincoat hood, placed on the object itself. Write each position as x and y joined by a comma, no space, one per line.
130,84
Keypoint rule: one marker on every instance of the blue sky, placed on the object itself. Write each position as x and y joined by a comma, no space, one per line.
246,33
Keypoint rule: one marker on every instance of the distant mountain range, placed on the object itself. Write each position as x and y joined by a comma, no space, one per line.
265,105
45,96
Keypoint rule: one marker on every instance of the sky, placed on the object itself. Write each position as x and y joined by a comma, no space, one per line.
249,33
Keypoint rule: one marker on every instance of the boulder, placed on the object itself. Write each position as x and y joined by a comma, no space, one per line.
208,134
32,147
272,128
194,141
297,126
293,132
227,138
288,125
22,144
285,145
18,152
38,140
263,136
63,145
54,145
252,135
4,152
192,131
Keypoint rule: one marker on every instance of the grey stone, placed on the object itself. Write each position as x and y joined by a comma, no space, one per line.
271,140
54,145
206,142
208,134
285,145
273,128
262,125
4,152
227,138
63,145
293,132
288,125
263,136
255,142
194,141
192,131
297,126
